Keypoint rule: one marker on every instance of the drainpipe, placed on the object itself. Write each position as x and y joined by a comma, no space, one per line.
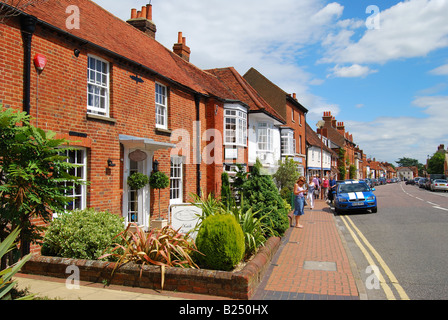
28,26
197,101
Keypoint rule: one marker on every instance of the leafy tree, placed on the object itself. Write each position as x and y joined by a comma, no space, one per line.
34,177
159,180
436,163
226,194
261,194
287,174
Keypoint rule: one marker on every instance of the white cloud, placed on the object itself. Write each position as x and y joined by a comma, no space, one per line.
270,36
353,71
440,71
391,138
409,29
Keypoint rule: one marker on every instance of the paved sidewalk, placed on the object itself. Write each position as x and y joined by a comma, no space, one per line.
54,288
312,263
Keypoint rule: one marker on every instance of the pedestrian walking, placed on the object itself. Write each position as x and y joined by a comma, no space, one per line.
316,181
311,192
299,200
331,189
325,185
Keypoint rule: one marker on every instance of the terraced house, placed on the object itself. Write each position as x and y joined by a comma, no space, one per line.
128,104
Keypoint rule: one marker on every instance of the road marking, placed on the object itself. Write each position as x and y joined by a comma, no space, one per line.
440,208
380,260
419,199
433,204
387,290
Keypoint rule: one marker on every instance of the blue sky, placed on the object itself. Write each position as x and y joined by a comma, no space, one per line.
388,84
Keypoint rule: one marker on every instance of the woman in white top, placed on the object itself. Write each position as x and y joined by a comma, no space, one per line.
299,200
311,188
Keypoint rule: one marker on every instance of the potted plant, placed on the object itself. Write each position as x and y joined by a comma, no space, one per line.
159,180
137,181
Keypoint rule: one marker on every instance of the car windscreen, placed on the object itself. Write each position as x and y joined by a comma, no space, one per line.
440,181
355,187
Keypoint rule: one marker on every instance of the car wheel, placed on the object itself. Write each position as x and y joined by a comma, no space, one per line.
375,210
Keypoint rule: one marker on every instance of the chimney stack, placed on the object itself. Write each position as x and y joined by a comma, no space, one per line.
341,128
142,20
181,48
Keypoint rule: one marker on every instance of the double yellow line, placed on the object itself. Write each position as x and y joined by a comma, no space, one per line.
355,232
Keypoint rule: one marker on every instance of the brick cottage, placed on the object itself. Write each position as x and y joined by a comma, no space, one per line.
127,103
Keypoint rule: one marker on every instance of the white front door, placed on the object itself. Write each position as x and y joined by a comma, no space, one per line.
136,203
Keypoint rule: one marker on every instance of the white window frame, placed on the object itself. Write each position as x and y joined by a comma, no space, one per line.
235,126
176,180
80,172
265,137
288,143
102,87
161,99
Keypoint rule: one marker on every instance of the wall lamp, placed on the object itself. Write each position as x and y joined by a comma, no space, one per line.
110,163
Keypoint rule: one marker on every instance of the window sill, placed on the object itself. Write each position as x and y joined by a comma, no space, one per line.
90,116
164,132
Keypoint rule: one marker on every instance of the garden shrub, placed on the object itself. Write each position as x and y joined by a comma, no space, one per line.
221,241
82,234
261,193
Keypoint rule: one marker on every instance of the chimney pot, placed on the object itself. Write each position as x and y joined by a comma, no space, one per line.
144,12
142,20
181,49
149,11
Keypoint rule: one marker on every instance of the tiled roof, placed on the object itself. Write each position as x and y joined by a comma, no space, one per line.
313,140
105,30
244,92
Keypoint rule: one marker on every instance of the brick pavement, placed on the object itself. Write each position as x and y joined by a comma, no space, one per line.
312,263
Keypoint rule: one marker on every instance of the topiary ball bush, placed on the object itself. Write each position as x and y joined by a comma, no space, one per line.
221,240
82,234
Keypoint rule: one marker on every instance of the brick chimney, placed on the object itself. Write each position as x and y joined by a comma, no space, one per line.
142,20
341,128
327,117
181,49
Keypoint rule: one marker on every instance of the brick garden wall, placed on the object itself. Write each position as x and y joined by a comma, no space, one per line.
235,285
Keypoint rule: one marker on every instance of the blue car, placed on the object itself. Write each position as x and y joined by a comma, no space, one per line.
354,195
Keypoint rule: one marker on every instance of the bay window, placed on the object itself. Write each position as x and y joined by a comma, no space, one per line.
235,126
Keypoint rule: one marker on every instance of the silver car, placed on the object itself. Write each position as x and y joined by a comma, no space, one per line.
439,185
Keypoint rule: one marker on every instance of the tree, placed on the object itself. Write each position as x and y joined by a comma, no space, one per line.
34,177
159,180
12,8
436,163
287,174
261,194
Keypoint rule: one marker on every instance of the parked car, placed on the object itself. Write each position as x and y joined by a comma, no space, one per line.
410,181
428,183
439,185
382,181
416,180
421,182
354,195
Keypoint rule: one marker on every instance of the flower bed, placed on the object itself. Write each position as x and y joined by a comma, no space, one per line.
236,285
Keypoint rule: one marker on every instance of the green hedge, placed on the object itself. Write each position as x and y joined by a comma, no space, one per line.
82,234
221,240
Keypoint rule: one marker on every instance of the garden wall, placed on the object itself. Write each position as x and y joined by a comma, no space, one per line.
235,285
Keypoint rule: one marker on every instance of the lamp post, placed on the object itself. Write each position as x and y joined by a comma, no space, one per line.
320,125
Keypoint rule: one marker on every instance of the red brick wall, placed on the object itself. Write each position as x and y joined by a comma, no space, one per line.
63,107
